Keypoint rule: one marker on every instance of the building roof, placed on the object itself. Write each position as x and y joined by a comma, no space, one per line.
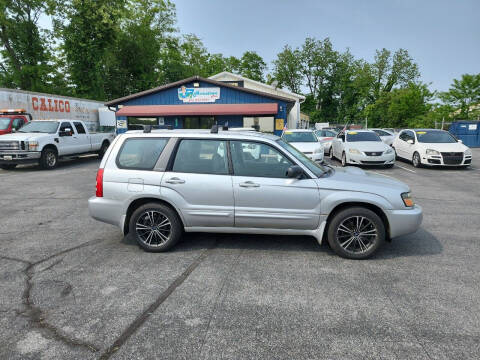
239,77
189,80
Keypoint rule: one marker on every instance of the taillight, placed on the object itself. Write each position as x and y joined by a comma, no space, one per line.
99,192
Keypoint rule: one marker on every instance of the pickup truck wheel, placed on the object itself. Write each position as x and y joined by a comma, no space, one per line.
103,150
156,227
49,159
8,166
356,233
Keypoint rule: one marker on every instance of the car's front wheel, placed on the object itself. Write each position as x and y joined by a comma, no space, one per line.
49,159
156,227
8,166
416,160
356,233
344,159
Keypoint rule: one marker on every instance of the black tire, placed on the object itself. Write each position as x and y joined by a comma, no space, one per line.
338,237
416,162
388,166
141,218
344,159
103,149
49,159
330,153
8,166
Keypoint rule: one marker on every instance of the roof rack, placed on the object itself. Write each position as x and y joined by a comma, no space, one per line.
214,129
147,129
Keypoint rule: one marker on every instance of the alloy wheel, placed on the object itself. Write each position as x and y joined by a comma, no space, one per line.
51,159
356,234
153,228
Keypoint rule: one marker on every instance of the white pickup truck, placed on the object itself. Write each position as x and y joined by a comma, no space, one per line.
45,141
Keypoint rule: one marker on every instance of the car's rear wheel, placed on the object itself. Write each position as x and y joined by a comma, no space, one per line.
356,233
49,159
8,166
156,227
344,159
416,160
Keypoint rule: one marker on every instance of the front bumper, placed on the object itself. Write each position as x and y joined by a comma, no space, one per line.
362,159
19,157
439,160
403,222
318,157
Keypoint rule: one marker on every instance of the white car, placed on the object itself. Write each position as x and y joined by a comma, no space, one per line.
305,141
326,136
386,136
362,147
431,147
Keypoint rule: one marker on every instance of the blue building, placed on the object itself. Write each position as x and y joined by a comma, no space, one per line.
198,103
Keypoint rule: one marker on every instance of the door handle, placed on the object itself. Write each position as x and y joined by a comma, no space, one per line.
249,184
175,180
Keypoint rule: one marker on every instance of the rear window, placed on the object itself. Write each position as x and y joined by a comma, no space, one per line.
140,154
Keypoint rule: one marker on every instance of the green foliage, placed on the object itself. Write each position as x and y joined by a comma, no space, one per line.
464,94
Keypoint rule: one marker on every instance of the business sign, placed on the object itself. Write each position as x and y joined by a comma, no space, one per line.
198,95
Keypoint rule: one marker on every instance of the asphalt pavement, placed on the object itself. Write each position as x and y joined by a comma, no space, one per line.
75,288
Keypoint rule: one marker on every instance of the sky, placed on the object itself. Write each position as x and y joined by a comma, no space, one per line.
442,36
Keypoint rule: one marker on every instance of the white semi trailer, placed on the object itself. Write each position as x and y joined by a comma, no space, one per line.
48,107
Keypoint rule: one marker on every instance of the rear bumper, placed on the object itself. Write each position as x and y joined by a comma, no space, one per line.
403,222
19,157
106,210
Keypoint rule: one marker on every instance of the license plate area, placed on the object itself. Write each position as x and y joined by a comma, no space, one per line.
7,157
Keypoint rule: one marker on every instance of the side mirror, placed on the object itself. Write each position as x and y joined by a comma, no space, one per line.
294,171
460,141
410,141
14,130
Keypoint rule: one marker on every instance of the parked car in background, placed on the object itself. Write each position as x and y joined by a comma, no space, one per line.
11,120
45,141
386,136
431,147
361,147
306,141
391,130
155,186
325,137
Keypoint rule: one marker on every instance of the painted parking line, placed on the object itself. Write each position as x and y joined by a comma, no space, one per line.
404,168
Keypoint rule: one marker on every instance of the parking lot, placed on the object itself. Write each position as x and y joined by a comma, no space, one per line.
72,287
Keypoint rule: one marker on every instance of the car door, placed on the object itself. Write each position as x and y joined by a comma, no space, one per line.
264,196
200,183
400,144
409,149
81,137
66,142
338,145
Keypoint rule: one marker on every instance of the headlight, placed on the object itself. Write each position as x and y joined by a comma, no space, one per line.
354,151
407,199
468,152
388,151
31,145
432,152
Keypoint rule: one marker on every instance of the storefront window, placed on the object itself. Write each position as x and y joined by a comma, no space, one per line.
199,122
137,123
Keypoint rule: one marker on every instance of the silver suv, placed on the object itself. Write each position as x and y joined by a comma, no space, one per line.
155,185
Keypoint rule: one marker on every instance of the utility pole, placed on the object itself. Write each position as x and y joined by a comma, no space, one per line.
366,123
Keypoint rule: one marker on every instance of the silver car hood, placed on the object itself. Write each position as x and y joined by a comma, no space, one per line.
354,179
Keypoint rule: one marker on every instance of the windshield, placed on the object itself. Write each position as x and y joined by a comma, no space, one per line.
354,136
306,136
49,127
4,122
435,136
317,169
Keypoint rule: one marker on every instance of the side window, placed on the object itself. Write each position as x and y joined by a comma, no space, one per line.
64,126
17,123
79,127
140,154
201,157
403,136
410,135
258,160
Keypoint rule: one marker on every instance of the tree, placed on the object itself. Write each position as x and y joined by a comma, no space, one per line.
252,66
287,69
391,71
25,52
463,94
